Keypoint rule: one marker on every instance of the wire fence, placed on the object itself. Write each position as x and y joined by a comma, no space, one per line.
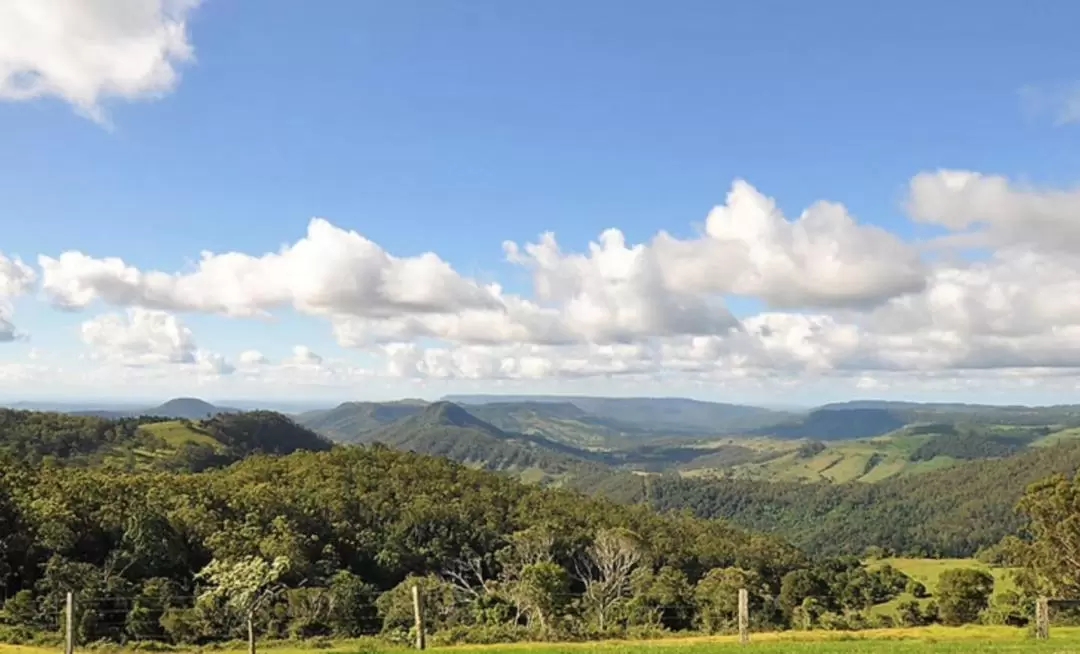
83,619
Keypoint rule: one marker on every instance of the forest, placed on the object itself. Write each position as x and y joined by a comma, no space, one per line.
302,539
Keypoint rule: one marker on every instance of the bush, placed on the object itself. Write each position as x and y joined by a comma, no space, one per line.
482,635
830,621
881,621
916,588
182,625
963,594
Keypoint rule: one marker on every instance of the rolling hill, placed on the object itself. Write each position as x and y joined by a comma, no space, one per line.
150,442
670,415
446,429
347,421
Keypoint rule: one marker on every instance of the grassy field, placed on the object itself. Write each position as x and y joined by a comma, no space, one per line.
866,460
927,571
947,640
176,433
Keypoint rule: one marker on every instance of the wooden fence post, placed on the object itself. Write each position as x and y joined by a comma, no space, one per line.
251,631
69,630
418,610
1042,618
744,616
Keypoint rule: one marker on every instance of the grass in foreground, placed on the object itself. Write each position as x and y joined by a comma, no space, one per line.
947,640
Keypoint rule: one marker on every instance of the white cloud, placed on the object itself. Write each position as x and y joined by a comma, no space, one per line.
88,51
16,278
303,356
211,363
253,358
143,337
998,212
845,300
822,259
140,336
330,271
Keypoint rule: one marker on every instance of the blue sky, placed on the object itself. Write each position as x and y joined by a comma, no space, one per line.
454,126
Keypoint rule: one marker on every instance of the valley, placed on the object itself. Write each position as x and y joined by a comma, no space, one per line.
864,442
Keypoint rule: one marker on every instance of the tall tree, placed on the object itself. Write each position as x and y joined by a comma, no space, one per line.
244,586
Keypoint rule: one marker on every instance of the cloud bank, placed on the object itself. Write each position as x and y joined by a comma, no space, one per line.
834,296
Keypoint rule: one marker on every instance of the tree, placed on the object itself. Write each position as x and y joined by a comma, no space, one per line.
243,586
1051,557
541,592
962,594
606,569
717,596
664,597
799,585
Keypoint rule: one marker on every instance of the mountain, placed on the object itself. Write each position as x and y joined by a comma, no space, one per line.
669,415
837,424
189,408
346,421
563,422
446,429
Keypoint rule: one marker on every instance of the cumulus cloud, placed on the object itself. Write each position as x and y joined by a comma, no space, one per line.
143,337
822,259
16,278
843,299
999,212
140,336
329,271
87,51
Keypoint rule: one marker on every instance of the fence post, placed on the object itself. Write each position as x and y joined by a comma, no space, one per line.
744,616
69,630
418,610
1042,618
251,631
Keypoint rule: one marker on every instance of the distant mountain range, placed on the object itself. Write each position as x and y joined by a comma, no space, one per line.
667,414
189,408
554,438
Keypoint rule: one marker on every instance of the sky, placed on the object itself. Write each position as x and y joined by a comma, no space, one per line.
769,202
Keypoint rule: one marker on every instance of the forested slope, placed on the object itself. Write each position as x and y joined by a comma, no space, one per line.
949,512
31,437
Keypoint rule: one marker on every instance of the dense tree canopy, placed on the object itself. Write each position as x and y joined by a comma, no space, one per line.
357,522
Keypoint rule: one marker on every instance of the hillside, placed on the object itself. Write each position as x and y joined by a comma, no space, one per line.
911,450
446,429
347,421
950,512
150,442
358,527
